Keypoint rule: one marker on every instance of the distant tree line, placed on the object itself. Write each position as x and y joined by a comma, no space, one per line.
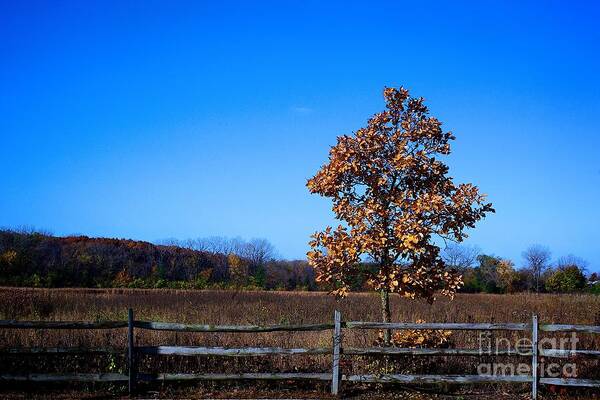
492,274
30,258
38,259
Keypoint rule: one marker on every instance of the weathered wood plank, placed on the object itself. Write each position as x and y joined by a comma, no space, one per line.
231,352
61,350
131,356
107,377
337,342
263,351
14,324
559,353
570,382
171,326
569,328
390,378
534,356
247,376
437,325
432,352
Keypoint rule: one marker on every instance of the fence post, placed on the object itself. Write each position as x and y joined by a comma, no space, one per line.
337,341
131,361
534,357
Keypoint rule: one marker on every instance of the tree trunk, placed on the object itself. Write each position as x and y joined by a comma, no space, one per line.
385,313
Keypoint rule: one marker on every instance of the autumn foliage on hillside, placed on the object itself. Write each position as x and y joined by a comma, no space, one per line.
41,260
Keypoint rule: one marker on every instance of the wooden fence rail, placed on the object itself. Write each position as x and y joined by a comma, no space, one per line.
174,327
337,350
62,324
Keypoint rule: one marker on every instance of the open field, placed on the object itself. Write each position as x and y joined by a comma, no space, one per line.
241,308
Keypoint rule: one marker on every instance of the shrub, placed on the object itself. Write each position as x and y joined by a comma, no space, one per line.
418,338
566,280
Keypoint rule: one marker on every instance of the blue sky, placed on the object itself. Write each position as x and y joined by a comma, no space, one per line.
149,120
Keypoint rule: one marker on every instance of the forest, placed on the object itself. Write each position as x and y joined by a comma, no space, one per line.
34,259
37,259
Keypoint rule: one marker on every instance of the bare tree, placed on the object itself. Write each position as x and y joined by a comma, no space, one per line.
258,251
220,245
537,260
188,244
570,261
459,256
168,242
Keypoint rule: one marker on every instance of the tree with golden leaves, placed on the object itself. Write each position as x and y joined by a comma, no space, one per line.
391,190
238,270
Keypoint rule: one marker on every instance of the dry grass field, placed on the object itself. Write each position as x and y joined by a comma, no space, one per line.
229,307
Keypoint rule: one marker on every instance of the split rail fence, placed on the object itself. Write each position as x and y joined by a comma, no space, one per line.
336,351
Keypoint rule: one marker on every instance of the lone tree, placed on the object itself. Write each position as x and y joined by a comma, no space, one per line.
396,202
537,259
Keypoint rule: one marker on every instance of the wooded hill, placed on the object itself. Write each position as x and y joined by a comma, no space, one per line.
42,260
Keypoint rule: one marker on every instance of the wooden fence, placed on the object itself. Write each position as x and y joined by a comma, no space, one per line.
336,350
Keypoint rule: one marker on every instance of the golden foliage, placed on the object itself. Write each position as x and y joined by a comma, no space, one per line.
506,274
122,279
8,257
238,269
418,338
392,192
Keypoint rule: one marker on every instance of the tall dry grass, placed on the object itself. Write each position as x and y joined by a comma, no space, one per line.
228,307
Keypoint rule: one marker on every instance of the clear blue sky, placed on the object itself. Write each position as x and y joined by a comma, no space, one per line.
159,119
